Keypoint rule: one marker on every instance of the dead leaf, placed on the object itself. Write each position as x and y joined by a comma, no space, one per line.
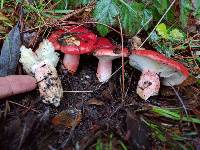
3,17
135,42
95,101
138,133
68,118
10,52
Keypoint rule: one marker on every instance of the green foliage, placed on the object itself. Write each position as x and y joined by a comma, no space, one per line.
176,35
70,4
197,9
165,39
169,137
108,145
133,16
105,12
185,10
128,16
174,115
161,5
162,30
164,49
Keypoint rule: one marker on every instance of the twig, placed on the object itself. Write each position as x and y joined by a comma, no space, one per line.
144,26
90,22
122,48
180,99
129,85
78,91
24,106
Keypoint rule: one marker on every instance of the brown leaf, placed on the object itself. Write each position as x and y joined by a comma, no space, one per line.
67,118
3,17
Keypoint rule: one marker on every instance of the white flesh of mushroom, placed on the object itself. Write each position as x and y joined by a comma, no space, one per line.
43,66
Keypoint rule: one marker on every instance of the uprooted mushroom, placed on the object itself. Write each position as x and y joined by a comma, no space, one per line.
155,66
73,41
42,65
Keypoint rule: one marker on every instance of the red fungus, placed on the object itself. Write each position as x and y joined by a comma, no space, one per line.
106,52
74,41
155,66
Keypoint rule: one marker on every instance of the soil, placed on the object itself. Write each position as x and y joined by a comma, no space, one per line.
36,131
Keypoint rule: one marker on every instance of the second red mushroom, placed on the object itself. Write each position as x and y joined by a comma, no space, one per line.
73,41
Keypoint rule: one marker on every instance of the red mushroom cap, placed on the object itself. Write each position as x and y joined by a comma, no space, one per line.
104,43
76,40
167,68
104,47
160,58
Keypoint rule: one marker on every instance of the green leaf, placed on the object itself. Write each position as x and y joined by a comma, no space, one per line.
176,35
103,30
147,15
154,37
174,115
132,17
84,2
157,132
59,11
61,4
105,12
185,9
161,5
162,30
196,4
164,49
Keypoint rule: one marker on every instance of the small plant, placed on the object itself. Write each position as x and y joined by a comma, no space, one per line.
109,144
166,40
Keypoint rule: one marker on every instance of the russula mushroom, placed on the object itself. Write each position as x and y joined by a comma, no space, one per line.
42,65
75,40
156,66
105,51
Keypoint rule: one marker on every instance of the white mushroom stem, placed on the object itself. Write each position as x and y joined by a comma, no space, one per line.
71,62
104,69
148,85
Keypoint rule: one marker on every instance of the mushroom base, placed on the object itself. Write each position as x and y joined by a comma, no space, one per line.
71,62
148,85
104,70
50,86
